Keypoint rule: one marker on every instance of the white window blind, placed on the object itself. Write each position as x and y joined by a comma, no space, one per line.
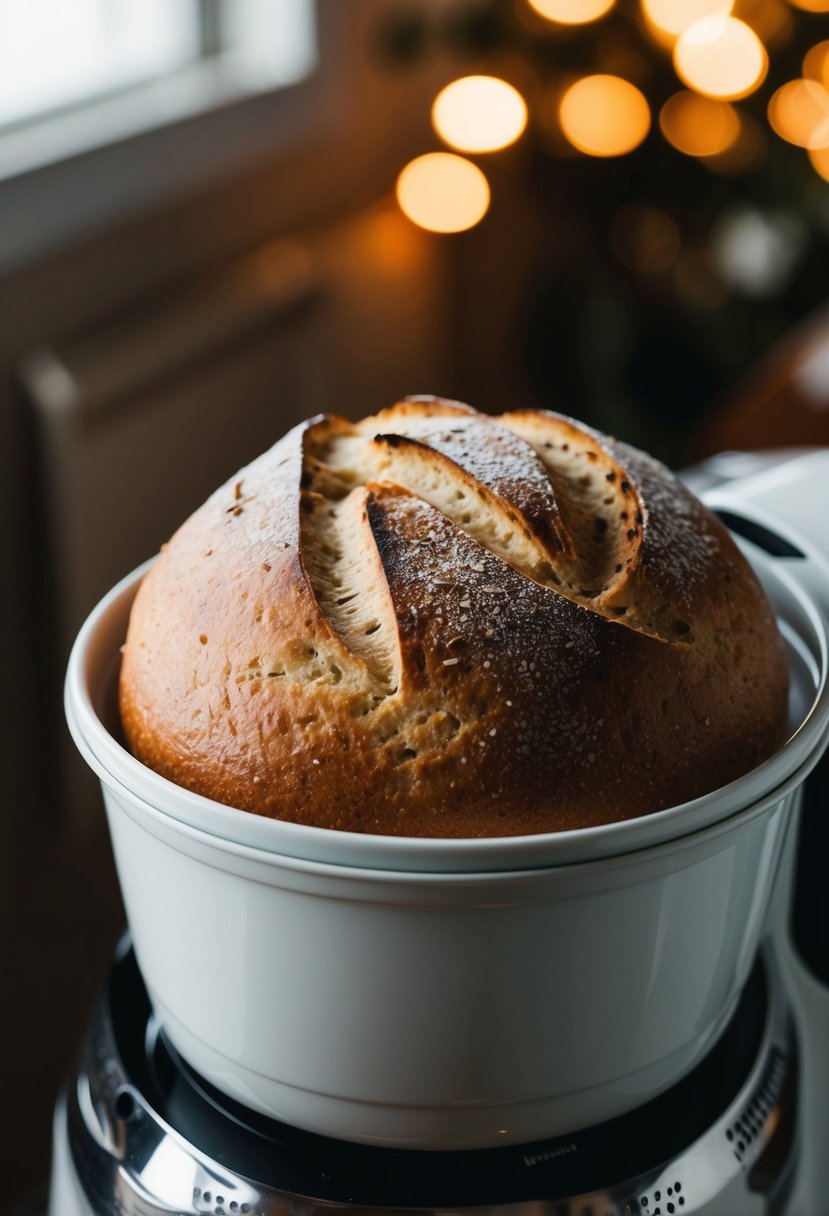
58,54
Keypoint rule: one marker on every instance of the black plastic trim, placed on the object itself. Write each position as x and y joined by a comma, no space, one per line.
758,534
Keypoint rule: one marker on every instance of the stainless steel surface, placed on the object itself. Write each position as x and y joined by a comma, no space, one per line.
120,1158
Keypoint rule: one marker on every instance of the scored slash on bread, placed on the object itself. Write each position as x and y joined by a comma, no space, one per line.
542,493
435,622
534,490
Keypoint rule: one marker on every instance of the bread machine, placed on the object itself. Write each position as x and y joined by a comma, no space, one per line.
137,1130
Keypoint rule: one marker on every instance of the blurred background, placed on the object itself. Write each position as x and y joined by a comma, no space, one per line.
218,217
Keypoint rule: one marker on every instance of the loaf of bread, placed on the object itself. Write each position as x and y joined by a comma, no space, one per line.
438,623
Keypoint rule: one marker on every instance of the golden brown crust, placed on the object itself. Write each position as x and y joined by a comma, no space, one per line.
435,623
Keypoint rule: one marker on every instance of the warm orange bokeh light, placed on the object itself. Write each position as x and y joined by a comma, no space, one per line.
816,64
572,12
799,113
443,192
698,126
771,20
747,152
812,6
721,57
479,114
604,116
673,17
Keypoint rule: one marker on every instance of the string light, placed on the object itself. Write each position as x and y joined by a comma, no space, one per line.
443,192
673,17
721,57
479,114
572,12
799,113
698,126
816,64
604,116
746,153
812,6
771,20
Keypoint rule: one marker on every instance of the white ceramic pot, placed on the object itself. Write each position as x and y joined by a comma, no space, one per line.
448,993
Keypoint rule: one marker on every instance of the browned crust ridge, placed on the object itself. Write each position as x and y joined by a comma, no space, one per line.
438,623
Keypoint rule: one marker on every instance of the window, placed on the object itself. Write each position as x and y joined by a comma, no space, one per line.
114,106
78,73
54,54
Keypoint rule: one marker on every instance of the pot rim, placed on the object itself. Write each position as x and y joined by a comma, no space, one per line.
84,685
721,829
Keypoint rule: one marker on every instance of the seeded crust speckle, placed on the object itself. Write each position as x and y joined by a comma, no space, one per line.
437,623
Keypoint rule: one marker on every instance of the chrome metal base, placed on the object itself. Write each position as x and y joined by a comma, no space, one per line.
137,1133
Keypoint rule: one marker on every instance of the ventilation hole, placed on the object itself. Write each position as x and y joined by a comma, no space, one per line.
125,1105
373,627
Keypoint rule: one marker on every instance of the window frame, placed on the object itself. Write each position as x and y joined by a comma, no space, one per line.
143,147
